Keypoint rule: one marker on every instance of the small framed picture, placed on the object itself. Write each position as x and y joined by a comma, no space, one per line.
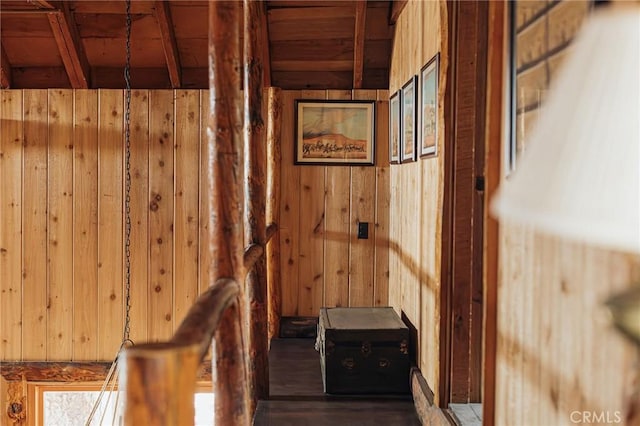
408,113
394,128
335,132
429,107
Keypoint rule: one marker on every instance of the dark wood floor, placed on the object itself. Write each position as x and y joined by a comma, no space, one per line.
297,396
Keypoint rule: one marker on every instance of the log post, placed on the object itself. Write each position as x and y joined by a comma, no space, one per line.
255,225
274,286
159,383
224,195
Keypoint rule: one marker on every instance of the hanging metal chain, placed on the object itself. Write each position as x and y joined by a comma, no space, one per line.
127,185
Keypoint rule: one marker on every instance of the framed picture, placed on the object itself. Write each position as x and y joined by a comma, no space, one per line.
394,128
429,107
408,113
334,132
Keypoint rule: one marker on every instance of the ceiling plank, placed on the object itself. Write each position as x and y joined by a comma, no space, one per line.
5,69
358,43
168,37
395,10
71,50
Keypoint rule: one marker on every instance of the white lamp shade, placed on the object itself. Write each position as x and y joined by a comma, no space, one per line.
580,175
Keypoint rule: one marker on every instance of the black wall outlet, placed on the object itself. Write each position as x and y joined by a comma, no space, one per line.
363,230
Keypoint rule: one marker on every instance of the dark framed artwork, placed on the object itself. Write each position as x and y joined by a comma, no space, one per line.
334,132
394,127
408,113
429,107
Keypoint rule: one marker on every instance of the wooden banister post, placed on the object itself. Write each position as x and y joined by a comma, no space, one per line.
255,225
274,289
224,195
159,382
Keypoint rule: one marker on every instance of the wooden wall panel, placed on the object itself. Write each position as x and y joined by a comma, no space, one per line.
85,225
312,216
289,209
187,159
60,303
416,193
34,220
11,154
161,213
139,238
337,241
203,283
110,223
323,263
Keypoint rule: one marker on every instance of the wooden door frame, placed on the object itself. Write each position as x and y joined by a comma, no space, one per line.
462,263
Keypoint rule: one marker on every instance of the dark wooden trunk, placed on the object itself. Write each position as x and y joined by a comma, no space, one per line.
363,350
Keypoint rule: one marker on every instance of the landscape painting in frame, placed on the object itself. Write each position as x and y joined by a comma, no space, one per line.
429,107
394,128
335,132
408,113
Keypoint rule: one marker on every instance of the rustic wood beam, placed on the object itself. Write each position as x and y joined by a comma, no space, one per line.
395,9
358,43
41,4
255,165
5,70
70,47
169,44
223,184
35,371
274,157
266,50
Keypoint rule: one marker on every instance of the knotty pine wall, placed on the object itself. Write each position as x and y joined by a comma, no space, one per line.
557,352
323,261
61,228
415,215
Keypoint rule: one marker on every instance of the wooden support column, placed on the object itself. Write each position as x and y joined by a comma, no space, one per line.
255,225
358,43
169,44
71,50
169,371
274,285
266,52
5,70
224,195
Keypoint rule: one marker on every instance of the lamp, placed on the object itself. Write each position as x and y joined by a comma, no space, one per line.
580,175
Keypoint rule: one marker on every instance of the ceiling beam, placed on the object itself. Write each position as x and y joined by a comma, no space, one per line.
266,51
41,4
168,37
71,50
5,69
358,43
395,10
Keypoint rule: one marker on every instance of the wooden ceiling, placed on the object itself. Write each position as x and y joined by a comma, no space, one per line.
312,44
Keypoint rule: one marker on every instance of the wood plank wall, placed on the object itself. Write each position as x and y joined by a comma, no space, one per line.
61,228
322,261
556,351
62,259
417,192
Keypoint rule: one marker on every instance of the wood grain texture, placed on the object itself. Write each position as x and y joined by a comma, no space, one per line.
60,295
337,225
255,180
186,222
161,214
70,46
272,210
110,222
358,42
11,288
85,226
34,231
312,216
5,70
289,210
169,44
203,208
139,193
382,203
